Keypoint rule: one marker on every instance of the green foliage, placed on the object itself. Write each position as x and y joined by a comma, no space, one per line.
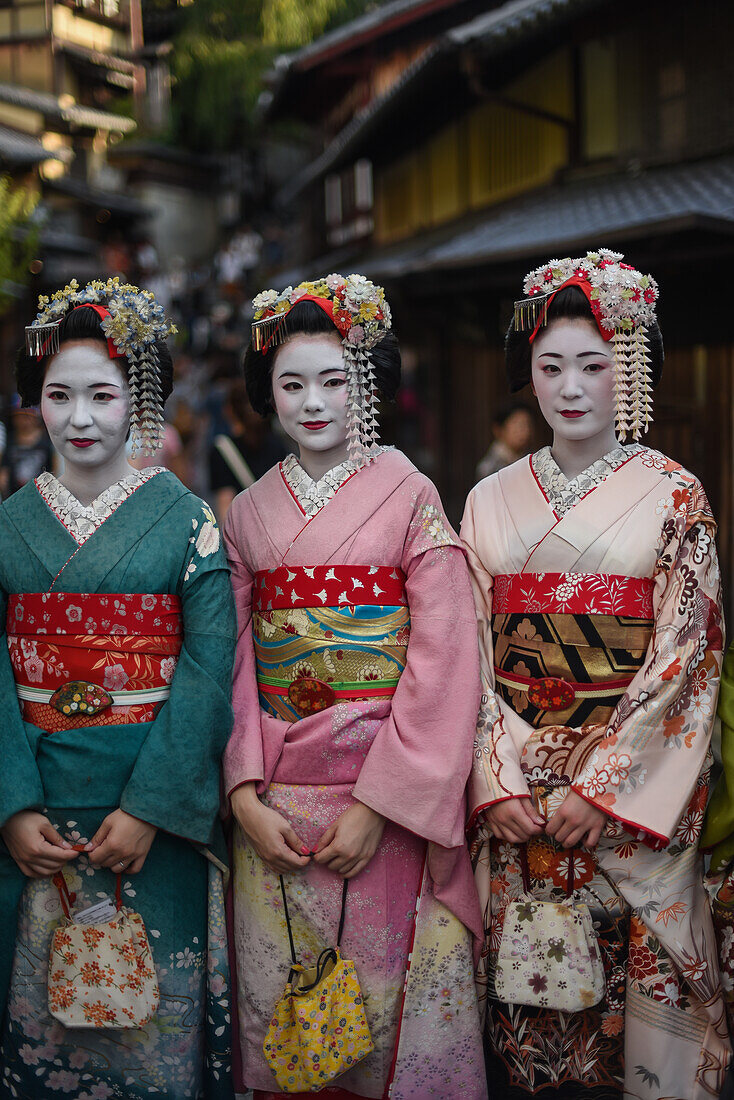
292,23
221,51
18,239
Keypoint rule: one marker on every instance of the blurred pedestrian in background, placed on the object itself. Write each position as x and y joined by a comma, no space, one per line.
512,428
29,451
239,457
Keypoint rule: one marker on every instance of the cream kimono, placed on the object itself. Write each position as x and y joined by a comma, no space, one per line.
601,640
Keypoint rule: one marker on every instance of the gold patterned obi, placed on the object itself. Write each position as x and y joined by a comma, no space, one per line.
328,634
567,645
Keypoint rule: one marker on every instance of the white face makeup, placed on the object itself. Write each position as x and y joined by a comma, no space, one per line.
573,380
85,405
310,398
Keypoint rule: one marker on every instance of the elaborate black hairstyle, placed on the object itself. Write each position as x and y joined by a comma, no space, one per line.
79,324
309,318
569,302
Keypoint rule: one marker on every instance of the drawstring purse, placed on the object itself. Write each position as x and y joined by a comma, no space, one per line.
101,975
319,1026
549,955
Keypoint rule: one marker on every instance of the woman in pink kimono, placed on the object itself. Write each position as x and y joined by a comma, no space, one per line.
597,591
356,692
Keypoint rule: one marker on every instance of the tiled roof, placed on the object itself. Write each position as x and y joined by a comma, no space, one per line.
55,107
19,150
583,214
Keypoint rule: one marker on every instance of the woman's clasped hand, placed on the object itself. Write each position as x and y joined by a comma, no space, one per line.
346,847
121,843
575,822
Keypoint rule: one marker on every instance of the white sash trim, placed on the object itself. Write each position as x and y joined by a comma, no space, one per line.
119,698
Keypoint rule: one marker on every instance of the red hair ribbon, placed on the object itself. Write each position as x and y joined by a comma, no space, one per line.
327,304
583,284
102,312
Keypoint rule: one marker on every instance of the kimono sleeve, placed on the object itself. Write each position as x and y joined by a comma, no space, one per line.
500,734
21,787
243,758
416,770
175,782
644,770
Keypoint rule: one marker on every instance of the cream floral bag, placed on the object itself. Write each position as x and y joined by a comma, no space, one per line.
549,955
101,975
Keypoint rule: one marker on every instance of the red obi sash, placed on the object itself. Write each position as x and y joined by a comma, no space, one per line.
328,586
572,594
92,660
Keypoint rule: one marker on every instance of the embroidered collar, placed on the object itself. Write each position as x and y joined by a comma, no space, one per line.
311,495
561,493
82,520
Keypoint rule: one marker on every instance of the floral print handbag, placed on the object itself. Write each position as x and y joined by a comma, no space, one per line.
549,955
101,975
319,1027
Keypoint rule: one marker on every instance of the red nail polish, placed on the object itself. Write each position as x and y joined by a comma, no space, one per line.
305,851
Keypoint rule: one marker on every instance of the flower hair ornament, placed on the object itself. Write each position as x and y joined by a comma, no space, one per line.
132,321
622,301
362,316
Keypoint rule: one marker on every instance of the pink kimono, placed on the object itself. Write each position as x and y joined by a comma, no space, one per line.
601,636
356,678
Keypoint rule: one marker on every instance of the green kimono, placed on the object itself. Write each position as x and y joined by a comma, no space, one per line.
147,535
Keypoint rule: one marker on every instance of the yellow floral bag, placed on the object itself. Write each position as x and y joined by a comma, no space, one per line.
319,1027
101,975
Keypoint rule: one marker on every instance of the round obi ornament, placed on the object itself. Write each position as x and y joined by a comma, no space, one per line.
80,698
309,695
550,693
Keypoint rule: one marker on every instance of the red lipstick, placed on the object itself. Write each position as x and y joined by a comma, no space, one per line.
315,425
572,414
82,442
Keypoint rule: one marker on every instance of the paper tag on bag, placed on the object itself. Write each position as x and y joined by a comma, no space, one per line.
98,913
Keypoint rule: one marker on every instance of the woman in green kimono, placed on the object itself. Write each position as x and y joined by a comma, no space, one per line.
114,577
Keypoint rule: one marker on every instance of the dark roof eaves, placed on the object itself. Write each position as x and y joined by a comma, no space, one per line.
490,28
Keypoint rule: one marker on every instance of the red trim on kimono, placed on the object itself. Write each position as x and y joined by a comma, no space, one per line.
290,586
573,594
639,832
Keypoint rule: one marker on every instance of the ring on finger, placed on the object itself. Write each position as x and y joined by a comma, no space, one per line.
121,863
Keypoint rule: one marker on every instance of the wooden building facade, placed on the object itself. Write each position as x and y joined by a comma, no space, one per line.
504,137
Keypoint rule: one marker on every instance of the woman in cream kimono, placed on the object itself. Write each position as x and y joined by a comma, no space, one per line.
597,591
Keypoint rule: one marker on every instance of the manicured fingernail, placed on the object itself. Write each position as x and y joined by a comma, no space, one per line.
305,851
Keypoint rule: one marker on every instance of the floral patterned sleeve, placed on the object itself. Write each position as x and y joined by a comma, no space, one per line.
646,767
496,774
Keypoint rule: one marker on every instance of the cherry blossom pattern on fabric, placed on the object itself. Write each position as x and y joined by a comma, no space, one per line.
573,594
92,613
205,539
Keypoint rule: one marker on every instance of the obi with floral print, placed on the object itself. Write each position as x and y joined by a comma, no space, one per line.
598,600
128,645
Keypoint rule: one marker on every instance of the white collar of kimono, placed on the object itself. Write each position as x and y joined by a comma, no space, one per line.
82,520
562,494
313,495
